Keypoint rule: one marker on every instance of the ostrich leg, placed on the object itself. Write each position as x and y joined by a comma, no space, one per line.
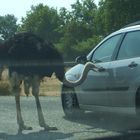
16,83
35,92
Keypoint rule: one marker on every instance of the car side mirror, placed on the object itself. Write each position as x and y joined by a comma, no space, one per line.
81,59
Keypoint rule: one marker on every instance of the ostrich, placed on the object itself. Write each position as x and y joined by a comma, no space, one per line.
30,58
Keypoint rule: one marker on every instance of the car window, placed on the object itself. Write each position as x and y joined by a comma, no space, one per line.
105,51
130,46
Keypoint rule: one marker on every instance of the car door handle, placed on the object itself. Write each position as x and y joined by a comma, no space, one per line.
133,64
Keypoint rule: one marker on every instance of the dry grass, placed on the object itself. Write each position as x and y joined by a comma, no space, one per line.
5,88
48,87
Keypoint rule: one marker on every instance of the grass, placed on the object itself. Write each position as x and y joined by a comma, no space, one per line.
48,87
5,88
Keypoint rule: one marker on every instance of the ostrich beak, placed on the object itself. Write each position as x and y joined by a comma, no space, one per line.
87,67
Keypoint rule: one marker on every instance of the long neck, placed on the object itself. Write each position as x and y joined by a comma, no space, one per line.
88,66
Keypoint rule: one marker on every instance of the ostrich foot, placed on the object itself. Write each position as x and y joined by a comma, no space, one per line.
24,127
48,128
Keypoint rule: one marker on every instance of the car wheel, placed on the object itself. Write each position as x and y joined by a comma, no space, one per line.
69,102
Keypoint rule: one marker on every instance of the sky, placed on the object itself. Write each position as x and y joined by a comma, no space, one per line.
19,7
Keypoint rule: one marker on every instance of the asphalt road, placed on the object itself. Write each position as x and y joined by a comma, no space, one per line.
89,126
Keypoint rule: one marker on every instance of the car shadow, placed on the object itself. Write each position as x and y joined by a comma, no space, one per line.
125,125
132,136
41,135
109,121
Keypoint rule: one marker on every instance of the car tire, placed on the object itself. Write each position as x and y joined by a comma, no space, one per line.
70,103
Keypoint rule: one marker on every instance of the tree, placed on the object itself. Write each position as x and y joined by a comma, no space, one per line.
76,26
43,21
8,26
114,14
84,47
84,12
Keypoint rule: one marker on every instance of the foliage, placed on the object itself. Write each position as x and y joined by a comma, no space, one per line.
114,14
43,21
75,32
77,26
8,26
86,46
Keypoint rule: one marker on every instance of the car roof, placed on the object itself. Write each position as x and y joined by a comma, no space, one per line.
127,29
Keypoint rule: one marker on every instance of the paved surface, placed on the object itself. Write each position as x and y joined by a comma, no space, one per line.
89,126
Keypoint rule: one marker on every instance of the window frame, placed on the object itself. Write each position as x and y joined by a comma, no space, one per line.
115,52
119,48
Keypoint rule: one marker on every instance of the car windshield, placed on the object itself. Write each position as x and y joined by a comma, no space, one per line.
45,94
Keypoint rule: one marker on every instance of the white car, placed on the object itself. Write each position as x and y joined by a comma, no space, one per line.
116,86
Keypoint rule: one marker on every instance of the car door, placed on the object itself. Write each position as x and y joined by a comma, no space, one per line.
94,91
125,69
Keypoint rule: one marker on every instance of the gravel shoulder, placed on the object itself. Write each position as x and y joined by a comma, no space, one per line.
88,126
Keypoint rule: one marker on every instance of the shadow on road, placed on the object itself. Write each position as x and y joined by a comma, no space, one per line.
127,126
108,121
133,136
41,135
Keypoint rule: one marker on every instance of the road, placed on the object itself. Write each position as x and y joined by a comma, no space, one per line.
89,126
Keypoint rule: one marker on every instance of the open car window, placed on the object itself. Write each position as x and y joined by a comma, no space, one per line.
130,47
105,51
